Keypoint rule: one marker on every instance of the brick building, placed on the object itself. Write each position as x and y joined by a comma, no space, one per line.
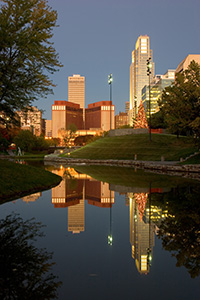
65,113
100,115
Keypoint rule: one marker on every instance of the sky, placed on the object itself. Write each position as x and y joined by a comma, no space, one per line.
96,37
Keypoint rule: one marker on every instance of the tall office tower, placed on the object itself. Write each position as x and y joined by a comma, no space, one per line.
76,91
138,73
127,105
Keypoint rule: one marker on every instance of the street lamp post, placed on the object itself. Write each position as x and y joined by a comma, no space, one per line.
110,79
149,74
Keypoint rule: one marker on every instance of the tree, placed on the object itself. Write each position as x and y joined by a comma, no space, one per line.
28,142
69,134
25,140
157,120
27,55
141,120
181,102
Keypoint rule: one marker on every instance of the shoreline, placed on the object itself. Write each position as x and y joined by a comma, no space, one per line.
164,167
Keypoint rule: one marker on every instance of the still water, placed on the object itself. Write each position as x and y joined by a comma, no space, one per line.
113,233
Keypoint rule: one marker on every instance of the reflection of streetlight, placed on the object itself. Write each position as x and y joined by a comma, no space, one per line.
110,79
110,238
148,74
149,252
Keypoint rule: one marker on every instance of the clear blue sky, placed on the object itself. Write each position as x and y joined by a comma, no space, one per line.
96,38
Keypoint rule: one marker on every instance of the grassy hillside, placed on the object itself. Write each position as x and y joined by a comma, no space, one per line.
17,180
125,147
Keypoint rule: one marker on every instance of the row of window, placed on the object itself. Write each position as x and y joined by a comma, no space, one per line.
58,107
107,108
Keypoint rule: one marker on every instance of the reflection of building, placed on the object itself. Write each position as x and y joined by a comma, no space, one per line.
141,235
76,217
76,91
32,197
31,119
98,115
64,114
98,193
138,73
69,191
72,192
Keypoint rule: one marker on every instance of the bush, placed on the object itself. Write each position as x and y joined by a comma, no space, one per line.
28,142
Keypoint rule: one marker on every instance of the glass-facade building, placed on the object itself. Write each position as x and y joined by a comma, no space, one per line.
138,73
159,83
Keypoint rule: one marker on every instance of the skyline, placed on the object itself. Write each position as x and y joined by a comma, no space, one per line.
95,39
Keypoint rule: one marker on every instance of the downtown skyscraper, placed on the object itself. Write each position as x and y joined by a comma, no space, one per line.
138,73
76,91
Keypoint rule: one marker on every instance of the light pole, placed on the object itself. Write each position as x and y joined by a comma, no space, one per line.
110,79
149,74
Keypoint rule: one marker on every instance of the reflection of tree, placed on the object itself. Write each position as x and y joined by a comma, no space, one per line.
141,200
24,272
180,232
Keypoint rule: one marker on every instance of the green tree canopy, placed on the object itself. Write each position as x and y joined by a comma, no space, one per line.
181,102
27,55
28,142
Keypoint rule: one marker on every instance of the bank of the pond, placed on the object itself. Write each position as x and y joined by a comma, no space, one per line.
165,167
18,180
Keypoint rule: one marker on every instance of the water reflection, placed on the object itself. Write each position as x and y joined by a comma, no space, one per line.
25,269
106,227
32,197
152,211
180,230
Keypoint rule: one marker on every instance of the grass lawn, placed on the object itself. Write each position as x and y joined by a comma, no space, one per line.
17,180
125,147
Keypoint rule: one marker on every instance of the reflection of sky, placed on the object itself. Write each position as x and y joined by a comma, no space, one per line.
89,268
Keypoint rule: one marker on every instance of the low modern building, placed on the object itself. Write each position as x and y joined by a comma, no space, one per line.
185,63
121,120
100,115
65,113
156,88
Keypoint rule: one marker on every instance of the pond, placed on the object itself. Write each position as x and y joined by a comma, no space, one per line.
111,232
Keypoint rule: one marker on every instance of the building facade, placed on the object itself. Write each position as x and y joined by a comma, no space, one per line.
31,119
76,91
48,128
185,63
138,73
127,106
158,84
121,120
65,113
100,115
